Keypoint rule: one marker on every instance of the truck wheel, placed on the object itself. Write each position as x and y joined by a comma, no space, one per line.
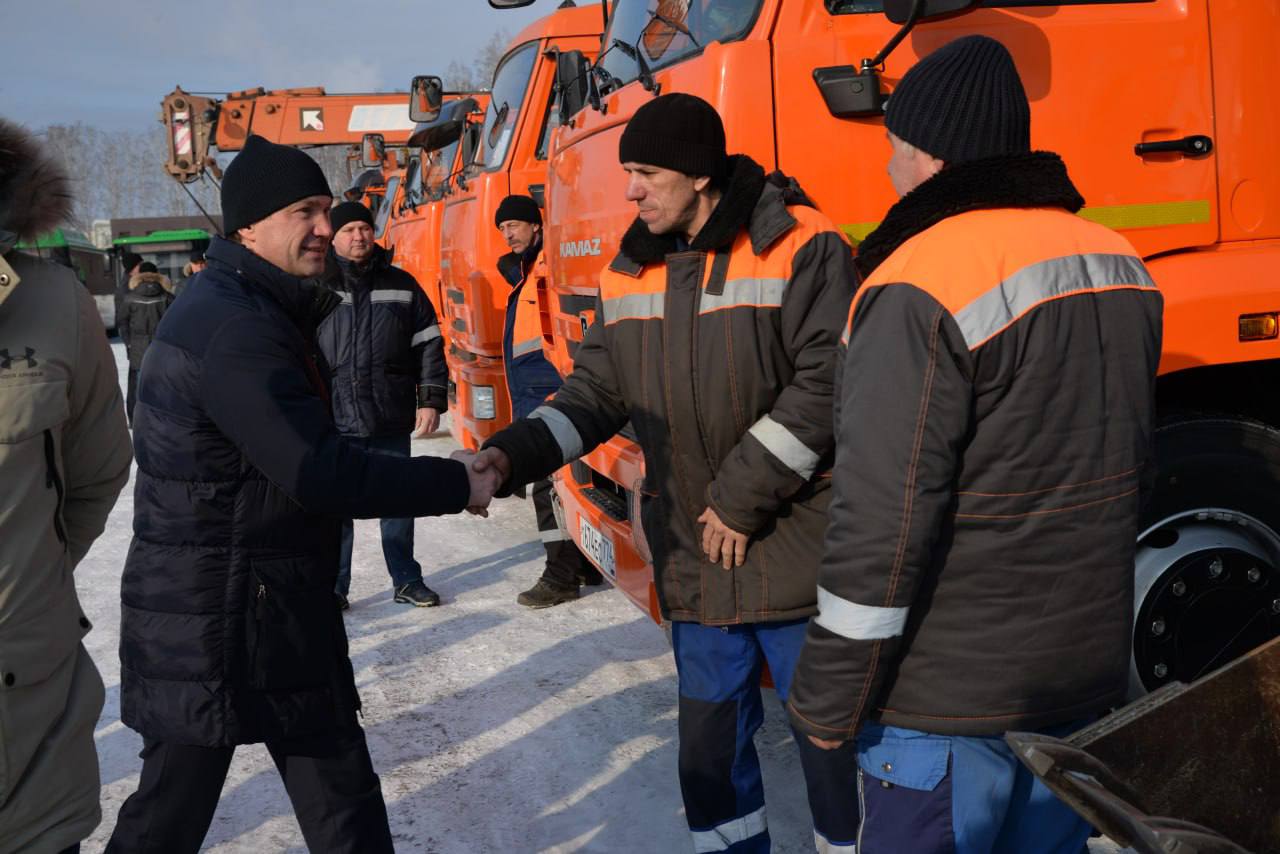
1207,572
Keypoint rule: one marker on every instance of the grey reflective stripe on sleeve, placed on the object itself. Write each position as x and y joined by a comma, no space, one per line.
346,296
555,535
524,348
784,445
990,313
633,307
858,622
748,293
566,435
390,296
731,832
428,334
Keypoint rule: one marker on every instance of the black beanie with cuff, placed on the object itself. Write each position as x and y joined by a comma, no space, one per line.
518,208
962,102
349,212
677,131
265,177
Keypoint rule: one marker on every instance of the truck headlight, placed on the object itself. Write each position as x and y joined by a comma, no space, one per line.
482,402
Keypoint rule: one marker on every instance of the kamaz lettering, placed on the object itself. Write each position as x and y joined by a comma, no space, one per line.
580,248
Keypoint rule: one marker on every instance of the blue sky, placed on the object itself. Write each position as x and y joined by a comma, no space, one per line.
109,63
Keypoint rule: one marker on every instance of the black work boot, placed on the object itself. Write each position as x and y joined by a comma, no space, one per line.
546,593
417,594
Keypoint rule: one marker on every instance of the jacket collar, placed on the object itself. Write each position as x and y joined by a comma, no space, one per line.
157,282
304,302
752,201
1037,179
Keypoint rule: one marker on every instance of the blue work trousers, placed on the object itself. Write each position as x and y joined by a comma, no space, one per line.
397,534
720,709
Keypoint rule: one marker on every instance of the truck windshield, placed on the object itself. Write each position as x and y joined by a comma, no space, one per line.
658,33
509,85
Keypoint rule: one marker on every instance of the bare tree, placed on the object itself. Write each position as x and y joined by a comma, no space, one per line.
477,74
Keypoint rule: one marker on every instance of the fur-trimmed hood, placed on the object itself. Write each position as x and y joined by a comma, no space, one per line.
137,280
35,195
1037,179
751,200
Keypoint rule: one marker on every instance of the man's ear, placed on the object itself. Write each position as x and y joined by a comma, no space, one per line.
701,183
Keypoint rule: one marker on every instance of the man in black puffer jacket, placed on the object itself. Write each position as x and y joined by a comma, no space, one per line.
230,632
149,297
384,348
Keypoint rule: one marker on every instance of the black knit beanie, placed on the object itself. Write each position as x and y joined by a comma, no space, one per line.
518,208
265,177
148,267
347,212
677,131
962,102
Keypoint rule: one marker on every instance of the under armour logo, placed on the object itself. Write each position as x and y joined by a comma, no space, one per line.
6,361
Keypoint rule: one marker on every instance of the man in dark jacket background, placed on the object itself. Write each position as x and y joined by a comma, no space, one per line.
994,419
149,297
737,436
384,349
531,379
230,633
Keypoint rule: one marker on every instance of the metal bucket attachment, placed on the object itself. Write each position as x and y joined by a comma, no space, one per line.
1189,769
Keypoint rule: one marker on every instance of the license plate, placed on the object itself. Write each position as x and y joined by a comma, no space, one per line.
596,546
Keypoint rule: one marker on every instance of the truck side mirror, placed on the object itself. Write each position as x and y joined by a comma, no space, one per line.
899,11
573,73
426,94
373,150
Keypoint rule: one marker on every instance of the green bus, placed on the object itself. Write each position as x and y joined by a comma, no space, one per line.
92,265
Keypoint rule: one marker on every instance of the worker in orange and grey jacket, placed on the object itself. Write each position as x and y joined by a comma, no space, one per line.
531,379
715,335
994,420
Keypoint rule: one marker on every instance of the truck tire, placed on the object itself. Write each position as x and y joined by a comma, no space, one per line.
1207,570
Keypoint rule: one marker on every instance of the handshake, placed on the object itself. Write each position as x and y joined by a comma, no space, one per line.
486,471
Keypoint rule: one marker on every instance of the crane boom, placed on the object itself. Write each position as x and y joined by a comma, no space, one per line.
300,117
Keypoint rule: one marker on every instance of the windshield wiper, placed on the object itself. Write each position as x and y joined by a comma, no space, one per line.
637,56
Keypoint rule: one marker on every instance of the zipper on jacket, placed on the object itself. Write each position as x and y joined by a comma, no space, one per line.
259,613
53,480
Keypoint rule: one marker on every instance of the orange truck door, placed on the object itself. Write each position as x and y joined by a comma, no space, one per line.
1102,77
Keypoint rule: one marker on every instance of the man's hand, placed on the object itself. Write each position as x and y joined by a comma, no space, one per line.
720,543
826,744
486,471
427,422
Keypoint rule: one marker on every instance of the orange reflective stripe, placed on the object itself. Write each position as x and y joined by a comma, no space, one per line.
988,284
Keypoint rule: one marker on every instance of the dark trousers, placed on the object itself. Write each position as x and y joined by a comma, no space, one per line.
335,795
131,397
565,564
397,534
720,709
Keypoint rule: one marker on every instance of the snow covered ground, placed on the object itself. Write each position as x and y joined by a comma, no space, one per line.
494,728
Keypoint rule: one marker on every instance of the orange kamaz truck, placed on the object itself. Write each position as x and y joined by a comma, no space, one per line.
1165,113
510,157
410,223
